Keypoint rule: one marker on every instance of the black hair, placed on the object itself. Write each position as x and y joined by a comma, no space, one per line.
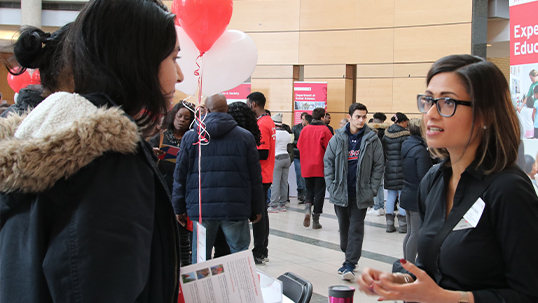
357,106
303,114
487,87
327,114
535,89
529,162
371,120
258,98
168,122
399,118
35,49
116,47
318,113
380,116
246,118
268,112
308,118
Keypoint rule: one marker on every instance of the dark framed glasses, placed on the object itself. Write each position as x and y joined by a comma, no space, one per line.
445,106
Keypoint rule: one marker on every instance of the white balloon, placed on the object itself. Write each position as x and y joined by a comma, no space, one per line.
187,62
229,62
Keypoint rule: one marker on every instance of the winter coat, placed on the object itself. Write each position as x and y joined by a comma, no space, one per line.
231,172
379,128
27,100
312,144
369,168
394,136
416,162
84,214
296,130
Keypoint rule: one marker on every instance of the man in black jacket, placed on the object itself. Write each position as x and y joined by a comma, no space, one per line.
296,130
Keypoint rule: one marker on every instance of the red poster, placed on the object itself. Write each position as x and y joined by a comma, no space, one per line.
523,32
238,93
307,96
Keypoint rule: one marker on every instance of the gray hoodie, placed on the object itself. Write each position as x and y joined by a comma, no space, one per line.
369,168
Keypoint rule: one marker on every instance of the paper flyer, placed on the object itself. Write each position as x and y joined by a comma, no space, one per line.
229,279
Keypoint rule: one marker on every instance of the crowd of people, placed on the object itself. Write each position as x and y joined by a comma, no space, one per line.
103,187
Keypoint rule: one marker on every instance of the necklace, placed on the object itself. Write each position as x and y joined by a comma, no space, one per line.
170,136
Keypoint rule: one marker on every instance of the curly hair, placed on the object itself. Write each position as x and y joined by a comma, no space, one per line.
168,122
246,118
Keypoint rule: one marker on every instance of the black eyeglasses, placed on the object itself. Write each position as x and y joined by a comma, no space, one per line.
445,106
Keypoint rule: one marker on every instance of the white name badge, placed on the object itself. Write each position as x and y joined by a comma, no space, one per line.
472,216
201,245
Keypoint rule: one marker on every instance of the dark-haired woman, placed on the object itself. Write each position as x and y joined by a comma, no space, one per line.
416,162
392,140
85,215
176,122
36,49
479,211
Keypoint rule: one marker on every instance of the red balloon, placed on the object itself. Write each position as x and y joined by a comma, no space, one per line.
19,82
174,10
204,21
35,78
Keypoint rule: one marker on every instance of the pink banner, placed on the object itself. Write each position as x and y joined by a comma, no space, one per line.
238,93
307,97
524,33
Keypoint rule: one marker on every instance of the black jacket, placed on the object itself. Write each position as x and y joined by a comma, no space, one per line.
496,260
85,216
394,136
296,130
416,162
27,100
231,173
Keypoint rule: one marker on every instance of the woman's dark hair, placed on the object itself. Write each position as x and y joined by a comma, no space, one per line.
492,107
168,122
399,118
36,49
116,47
245,117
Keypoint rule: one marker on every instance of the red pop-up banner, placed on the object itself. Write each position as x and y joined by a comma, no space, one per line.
524,32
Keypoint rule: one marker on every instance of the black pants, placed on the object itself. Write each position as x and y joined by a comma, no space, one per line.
260,230
351,225
315,193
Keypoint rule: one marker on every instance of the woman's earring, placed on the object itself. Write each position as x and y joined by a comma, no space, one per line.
485,127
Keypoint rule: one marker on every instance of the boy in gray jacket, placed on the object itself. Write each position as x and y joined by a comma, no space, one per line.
353,167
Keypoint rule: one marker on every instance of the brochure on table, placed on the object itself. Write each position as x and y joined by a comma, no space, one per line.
229,279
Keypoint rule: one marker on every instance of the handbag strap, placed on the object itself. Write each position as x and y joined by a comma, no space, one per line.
161,138
455,215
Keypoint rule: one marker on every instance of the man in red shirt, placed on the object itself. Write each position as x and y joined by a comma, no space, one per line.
312,145
266,149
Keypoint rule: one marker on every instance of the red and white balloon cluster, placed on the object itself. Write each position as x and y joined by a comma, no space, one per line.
228,57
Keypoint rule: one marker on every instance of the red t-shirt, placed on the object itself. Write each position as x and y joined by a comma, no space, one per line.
268,131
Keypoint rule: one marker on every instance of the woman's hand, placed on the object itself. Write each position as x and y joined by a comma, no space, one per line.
369,276
158,152
423,289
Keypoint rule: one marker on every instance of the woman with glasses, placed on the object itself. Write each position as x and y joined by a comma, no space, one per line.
479,211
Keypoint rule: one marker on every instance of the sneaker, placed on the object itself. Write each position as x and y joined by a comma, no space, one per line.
348,275
341,270
301,202
265,259
282,208
259,261
272,209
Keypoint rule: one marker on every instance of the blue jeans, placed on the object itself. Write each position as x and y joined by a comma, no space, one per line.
391,200
379,200
237,235
300,180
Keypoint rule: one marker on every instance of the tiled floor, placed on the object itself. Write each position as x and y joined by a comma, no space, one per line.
315,254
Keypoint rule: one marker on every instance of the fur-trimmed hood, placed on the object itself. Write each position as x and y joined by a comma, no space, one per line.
396,131
379,125
59,137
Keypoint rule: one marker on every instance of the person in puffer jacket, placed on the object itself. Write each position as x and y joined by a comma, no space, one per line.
394,175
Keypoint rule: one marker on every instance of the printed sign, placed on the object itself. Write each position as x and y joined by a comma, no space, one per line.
307,97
